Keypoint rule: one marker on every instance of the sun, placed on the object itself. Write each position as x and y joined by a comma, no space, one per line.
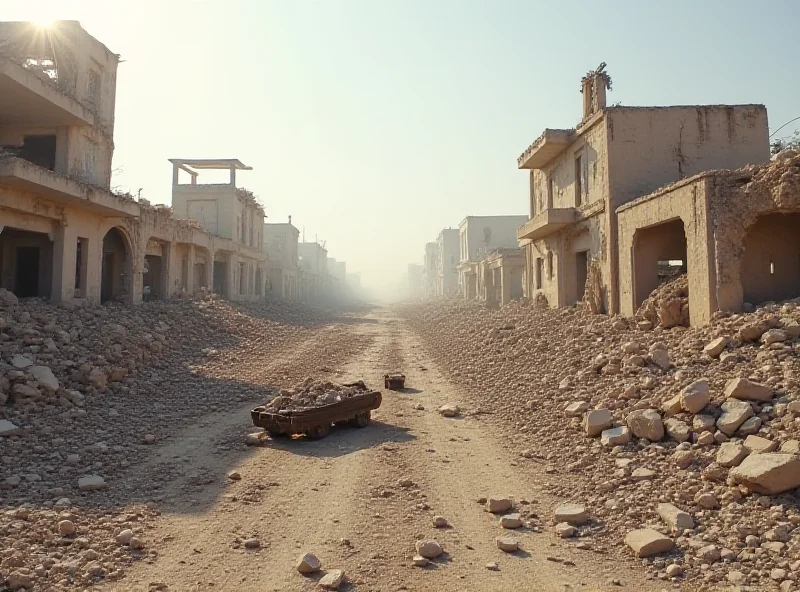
43,23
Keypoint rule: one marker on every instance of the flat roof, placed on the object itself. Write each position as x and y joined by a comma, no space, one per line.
211,163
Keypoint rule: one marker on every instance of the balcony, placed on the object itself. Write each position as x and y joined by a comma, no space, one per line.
16,173
28,99
546,223
546,147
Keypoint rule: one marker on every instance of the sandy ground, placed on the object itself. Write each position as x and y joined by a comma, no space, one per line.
340,497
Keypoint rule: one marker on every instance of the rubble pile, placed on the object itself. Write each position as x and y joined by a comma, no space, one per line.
685,433
86,392
311,393
667,306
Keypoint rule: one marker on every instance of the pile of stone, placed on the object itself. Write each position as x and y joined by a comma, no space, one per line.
85,393
311,394
667,306
629,416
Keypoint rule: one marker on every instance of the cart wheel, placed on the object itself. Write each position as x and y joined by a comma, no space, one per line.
275,434
319,431
361,420
386,384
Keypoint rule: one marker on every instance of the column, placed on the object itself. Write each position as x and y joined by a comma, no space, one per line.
190,271
65,248
231,289
167,271
94,268
505,285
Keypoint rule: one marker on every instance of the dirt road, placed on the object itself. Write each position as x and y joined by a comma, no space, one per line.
341,498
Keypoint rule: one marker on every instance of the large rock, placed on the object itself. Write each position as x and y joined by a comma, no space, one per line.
734,414
744,390
696,396
716,347
9,429
618,436
511,521
675,518
660,358
45,377
774,336
449,410
576,408
429,548
507,544
21,362
646,423
308,563
647,542
731,454
769,473
672,406
574,514
596,421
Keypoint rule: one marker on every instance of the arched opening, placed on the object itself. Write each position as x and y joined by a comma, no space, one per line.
26,263
154,284
659,254
771,261
117,271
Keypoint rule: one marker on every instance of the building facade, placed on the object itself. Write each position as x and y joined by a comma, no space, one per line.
579,178
430,269
280,244
447,263
479,236
315,282
228,212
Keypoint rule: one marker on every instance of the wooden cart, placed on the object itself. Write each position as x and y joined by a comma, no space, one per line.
316,422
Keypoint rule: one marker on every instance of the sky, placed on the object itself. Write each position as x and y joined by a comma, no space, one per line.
376,123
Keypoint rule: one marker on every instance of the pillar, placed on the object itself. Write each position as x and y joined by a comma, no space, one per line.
231,289
65,248
167,270
505,285
94,268
190,271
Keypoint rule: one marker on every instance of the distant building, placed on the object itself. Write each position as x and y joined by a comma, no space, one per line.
415,279
447,263
280,243
479,236
430,269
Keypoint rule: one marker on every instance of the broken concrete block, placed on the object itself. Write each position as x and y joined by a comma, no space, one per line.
745,390
768,473
647,542
734,414
675,518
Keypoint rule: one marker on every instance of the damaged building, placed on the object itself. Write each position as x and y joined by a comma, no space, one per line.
64,235
280,244
581,177
736,230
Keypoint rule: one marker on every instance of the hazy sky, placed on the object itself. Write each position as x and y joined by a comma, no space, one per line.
375,123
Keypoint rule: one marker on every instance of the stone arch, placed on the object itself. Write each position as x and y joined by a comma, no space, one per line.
116,273
770,262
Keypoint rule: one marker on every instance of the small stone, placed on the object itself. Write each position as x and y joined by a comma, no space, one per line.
677,429
21,362
234,476
709,554
696,396
643,474
565,530
498,505
419,561
683,458
66,528
511,521
45,377
574,514
703,423
429,548
492,566
9,429
507,544
674,571
731,454
449,410
675,518
734,414
660,358
136,543
715,347
750,427
576,408
647,542
308,564
405,482
774,336
252,544
791,447
646,423
706,439
439,522
672,406
618,436
255,438
91,483
707,501
745,390
596,421
756,444
125,537
332,580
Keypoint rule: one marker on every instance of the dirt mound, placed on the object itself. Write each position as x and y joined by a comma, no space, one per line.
668,305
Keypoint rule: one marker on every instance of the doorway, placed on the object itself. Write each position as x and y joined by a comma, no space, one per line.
581,273
27,272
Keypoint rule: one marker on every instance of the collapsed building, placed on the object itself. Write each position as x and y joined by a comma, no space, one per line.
64,235
500,277
582,178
